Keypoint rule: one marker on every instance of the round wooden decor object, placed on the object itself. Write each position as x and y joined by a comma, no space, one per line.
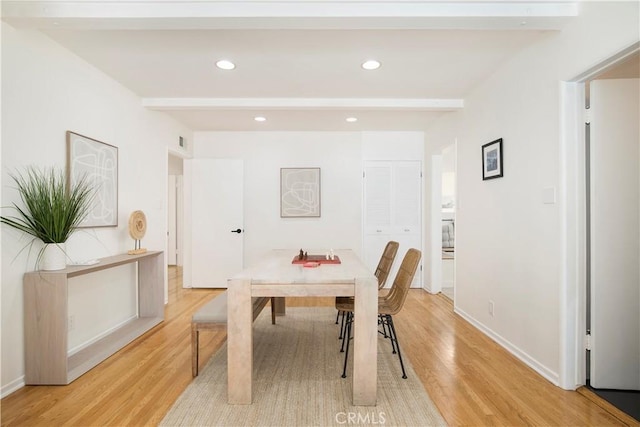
137,225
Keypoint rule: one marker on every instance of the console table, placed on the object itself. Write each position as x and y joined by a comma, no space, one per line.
45,318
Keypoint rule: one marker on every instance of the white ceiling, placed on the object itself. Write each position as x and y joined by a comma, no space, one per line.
298,62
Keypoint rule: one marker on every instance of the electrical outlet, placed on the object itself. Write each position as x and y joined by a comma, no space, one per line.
71,323
491,308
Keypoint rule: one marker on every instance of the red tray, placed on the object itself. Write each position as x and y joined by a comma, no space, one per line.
321,259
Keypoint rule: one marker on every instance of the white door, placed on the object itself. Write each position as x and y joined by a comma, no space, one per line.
216,221
615,234
392,211
407,213
377,212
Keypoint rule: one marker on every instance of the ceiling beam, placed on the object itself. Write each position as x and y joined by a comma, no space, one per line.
309,14
402,104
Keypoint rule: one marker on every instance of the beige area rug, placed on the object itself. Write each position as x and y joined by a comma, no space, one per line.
297,369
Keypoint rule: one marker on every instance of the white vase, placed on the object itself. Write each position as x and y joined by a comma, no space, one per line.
53,257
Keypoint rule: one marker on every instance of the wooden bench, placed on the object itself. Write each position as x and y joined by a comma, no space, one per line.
213,316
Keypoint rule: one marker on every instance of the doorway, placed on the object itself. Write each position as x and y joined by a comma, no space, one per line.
448,203
175,211
576,194
613,200
175,221
574,191
443,221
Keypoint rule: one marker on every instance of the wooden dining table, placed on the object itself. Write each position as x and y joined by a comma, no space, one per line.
275,275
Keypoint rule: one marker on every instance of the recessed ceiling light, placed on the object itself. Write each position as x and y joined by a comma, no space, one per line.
351,119
371,64
225,64
260,119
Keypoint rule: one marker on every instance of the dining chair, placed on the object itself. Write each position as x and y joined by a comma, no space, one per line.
381,273
388,306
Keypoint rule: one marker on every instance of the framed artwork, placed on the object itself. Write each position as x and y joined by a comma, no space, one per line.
492,160
99,163
299,192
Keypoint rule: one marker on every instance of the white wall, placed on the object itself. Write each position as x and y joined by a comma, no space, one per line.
46,90
338,154
508,242
392,146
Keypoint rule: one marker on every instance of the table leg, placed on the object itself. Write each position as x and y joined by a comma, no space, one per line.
365,354
280,306
239,342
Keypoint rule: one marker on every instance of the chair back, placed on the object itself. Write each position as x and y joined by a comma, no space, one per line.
394,300
385,263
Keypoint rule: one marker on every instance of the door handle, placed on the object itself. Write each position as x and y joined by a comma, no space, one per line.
237,231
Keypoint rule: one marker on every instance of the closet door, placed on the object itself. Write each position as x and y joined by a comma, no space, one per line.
377,210
407,212
392,211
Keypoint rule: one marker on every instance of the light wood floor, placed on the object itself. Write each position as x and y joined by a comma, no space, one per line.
472,380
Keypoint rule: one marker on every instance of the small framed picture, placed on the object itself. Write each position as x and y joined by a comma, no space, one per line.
492,160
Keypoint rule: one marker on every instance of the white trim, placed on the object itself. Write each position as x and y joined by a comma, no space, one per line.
293,14
572,194
455,218
14,385
435,284
608,64
187,228
511,348
182,153
404,104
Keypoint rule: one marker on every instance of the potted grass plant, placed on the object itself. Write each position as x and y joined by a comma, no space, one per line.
52,211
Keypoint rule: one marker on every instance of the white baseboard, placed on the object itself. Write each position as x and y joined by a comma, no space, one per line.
11,387
547,373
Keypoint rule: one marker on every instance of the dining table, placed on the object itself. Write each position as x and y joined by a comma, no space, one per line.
280,274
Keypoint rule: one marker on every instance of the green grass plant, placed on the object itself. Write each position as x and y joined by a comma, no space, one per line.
52,211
